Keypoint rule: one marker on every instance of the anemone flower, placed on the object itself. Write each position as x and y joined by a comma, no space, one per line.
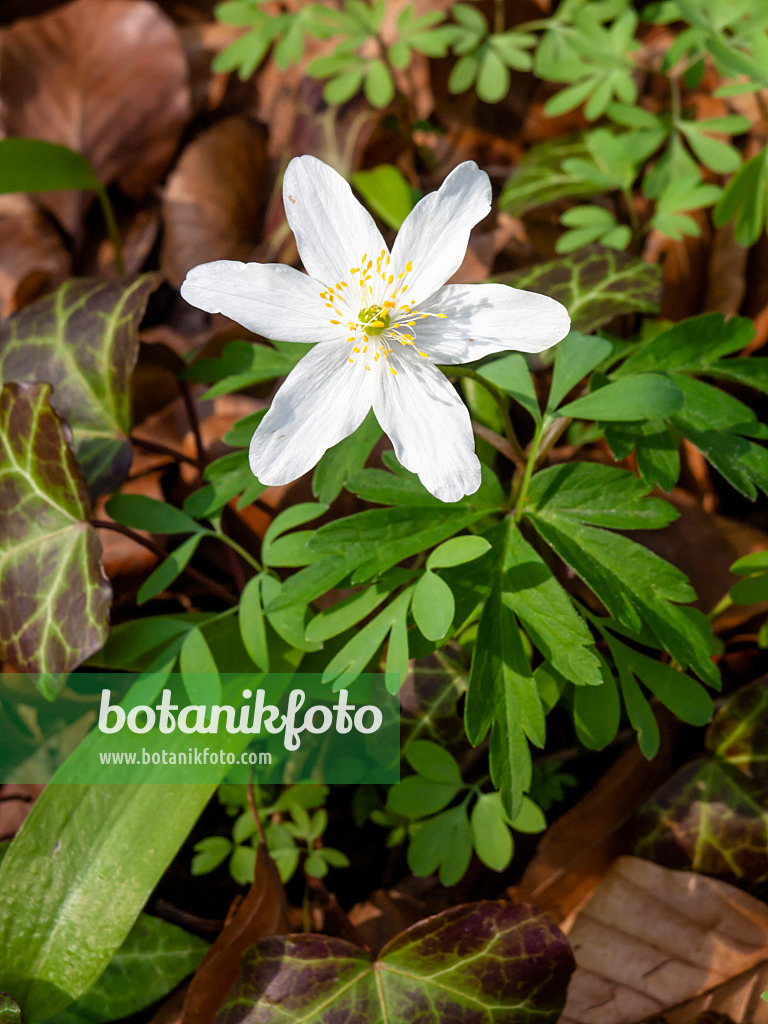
381,321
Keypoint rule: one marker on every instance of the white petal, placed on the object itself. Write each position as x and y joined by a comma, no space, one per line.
323,399
429,427
435,233
484,318
267,298
333,231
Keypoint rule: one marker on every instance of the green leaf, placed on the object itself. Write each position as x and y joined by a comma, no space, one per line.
342,460
398,532
643,396
252,624
144,513
656,450
242,364
418,797
445,843
597,712
32,165
378,87
599,495
457,551
385,192
48,551
60,922
198,670
691,345
546,612
353,657
432,762
493,77
83,340
576,356
715,422
152,960
351,610
211,852
492,839
432,606
511,374
745,200
594,286
289,622
166,572
540,177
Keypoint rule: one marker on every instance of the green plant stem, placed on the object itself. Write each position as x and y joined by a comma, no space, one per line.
500,400
218,532
112,229
498,16
722,605
552,435
530,465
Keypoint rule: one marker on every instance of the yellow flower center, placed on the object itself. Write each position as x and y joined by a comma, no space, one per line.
375,318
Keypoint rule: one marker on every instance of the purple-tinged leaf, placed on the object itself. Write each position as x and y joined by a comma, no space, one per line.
712,815
84,341
54,596
483,963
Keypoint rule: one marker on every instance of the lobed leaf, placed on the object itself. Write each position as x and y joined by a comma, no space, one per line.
493,963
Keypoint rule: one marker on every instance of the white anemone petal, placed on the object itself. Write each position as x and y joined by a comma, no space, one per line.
429,427
322,400
270,299
484,318
333,231
435,233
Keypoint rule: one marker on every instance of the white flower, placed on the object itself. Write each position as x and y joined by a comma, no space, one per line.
381,321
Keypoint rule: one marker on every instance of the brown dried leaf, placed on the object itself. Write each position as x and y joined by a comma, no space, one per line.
651,938
107,78
33,259
261,913
215,197
577,850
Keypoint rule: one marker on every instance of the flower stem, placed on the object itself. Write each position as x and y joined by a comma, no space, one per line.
533,451
722,605
238,548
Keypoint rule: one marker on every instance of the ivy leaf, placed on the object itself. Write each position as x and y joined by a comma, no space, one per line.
712,815
595,285
308,977
84,341
10,1012
152,960
48,551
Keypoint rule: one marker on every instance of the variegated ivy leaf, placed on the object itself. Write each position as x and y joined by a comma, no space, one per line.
83,340
595,285
489,963
54,596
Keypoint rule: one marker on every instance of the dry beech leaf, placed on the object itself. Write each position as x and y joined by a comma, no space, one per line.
107,78
577,850
215,197
261,913
652,940
33,259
